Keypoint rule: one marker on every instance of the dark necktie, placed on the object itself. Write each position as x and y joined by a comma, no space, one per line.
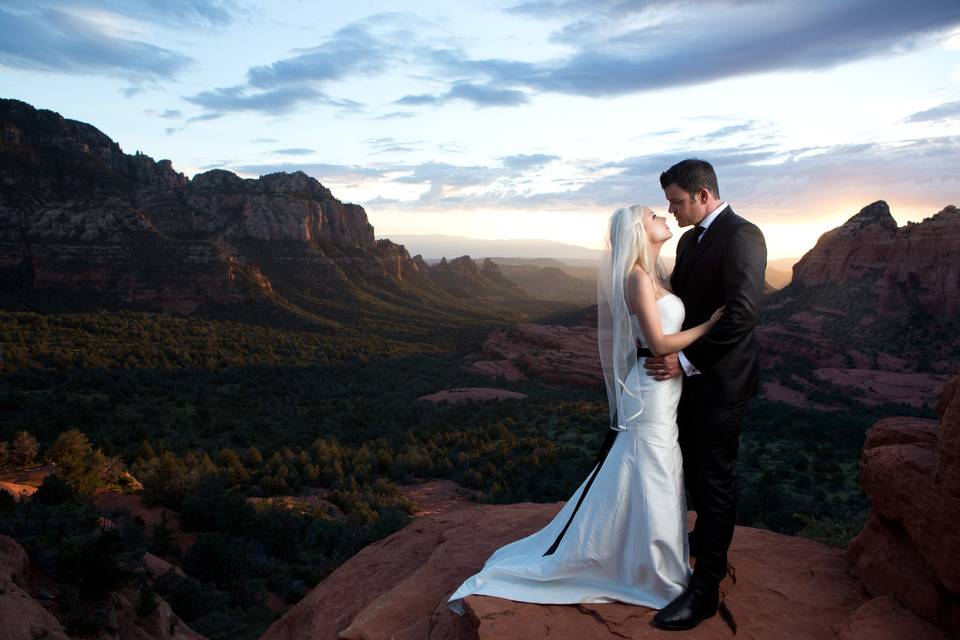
700,231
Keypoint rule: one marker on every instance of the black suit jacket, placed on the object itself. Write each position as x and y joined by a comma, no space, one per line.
725,268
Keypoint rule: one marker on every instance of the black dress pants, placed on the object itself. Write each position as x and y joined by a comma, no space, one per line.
709,438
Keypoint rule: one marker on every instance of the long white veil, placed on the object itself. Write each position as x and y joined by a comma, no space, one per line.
615,337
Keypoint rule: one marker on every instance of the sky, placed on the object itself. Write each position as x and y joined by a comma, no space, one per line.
521,119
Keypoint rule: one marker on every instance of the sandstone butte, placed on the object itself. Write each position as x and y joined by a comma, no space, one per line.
915,257
899,578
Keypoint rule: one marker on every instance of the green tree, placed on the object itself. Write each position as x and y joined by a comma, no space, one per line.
164,479
25,449
253,458
84,467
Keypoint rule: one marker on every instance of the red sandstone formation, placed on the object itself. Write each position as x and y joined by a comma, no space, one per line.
910,547
920,256
24,618
785,588
151,516
567,355
303,503
18,491
464,278
504,369
878,387
472,393
81,219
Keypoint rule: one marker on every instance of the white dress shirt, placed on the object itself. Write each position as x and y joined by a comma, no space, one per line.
688,367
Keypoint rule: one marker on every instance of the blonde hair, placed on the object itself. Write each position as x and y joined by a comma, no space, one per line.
639,252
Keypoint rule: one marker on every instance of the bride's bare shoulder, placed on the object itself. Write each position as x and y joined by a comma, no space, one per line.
638,278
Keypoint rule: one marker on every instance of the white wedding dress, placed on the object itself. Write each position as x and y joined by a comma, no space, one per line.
627,540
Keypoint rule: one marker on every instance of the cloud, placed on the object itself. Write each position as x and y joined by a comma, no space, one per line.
622,47
58,41
272,102
419,99
446,174
945,111
771,183
352,50
392,145
480,95
396,115
203,117
724,132
366,47
178,13
526,161
191,14
295,151
320,171
615,47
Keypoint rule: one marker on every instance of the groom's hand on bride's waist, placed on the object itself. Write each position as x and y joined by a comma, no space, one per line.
663,367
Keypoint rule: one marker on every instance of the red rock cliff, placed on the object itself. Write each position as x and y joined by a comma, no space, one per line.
909,548
921,258
81,219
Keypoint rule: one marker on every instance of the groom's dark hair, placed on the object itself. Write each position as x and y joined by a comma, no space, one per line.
691,175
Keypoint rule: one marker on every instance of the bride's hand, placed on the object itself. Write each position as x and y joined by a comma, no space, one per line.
716,316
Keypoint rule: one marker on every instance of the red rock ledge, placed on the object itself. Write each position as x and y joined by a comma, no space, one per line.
785,588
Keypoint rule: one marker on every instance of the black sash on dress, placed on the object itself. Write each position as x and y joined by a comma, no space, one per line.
601,456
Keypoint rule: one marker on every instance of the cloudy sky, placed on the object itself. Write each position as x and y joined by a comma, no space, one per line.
513,119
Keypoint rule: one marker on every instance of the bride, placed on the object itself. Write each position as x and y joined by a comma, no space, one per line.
622,535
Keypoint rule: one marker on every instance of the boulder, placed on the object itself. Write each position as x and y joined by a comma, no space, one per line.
909,548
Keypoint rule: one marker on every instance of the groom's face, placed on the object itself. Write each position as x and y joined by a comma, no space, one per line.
687,209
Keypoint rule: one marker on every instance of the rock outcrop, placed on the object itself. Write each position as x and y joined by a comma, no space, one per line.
559,354
780,587
24,618
465,394
920,261
83,223
909,548
863,318
464,278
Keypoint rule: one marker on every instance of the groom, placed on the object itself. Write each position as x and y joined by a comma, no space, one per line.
720,262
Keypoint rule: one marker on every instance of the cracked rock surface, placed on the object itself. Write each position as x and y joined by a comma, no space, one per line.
784,587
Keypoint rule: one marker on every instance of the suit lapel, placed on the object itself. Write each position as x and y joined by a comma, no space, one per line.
715,230
683,252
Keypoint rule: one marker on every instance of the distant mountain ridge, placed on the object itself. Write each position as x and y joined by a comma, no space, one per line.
85,225
435,246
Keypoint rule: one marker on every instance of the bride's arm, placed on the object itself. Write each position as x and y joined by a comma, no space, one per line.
642,301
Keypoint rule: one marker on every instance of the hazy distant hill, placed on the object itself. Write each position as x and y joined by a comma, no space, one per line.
551,282
435,246
580,269
780,272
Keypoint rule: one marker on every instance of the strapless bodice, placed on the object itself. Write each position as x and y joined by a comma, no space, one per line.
672,313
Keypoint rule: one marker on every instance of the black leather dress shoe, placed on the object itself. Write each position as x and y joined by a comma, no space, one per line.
689,609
